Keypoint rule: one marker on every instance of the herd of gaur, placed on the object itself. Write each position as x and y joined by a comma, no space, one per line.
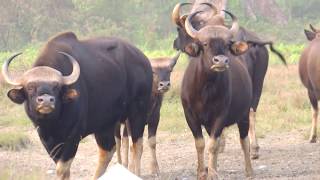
81,87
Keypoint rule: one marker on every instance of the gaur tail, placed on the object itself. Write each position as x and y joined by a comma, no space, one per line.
275,51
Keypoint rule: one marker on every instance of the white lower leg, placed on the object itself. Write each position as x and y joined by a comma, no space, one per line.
104,160
63,169
313,135
138,146
154,163
245,148
222,144
125,151
252,135
118,148
213,147
200,145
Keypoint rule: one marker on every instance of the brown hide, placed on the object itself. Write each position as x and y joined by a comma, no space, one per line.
309,67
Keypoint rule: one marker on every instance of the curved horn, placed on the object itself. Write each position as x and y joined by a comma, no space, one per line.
213,7
73,77
313,29
189,28
235,24
174,60
176,13
5,71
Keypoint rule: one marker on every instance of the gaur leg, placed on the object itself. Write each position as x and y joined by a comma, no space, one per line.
153,123
106,144
199,141
118,141
257,71
65,160
137,120
314,103
254,147
222,144
243,129
213,151
125,145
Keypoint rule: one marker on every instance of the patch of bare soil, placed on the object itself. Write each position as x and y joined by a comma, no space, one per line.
282,156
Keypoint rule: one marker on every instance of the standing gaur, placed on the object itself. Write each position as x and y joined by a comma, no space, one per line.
110,81
216,92
309,71
162,68
255,59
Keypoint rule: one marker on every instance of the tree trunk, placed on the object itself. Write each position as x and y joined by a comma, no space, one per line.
248,6
265,8
220,4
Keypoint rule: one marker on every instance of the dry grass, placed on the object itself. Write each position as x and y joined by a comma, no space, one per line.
13,141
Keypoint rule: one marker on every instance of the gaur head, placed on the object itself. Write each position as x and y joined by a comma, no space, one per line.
162,68
313,34
216,43
184,42
42,88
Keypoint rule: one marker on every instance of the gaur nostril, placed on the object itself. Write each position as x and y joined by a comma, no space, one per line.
51,99
169,84
216,60
161,84
39,100
226,61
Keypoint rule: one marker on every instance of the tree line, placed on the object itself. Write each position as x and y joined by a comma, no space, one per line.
142,22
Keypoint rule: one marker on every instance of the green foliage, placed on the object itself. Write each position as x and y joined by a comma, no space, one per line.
145,23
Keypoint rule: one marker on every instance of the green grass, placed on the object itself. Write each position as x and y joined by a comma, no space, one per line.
13,141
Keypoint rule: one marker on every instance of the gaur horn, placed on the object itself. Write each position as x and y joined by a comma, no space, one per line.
5,71
189,28
73,77
235,24
174,60
176,12
313,29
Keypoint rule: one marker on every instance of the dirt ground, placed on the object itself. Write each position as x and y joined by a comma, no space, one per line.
282,156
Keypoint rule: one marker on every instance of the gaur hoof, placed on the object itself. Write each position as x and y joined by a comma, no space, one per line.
313,139
249,174
202,175
155,170
255,152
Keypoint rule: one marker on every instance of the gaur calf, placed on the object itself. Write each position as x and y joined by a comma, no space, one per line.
162,68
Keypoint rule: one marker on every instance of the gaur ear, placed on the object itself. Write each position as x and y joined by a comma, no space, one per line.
310,35
70,95
193,49
17,95
239,47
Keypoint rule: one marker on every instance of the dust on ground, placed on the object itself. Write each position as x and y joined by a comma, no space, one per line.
285,155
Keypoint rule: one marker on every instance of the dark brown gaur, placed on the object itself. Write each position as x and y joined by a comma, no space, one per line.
216,92
66,105
256,59
309,71
162,68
